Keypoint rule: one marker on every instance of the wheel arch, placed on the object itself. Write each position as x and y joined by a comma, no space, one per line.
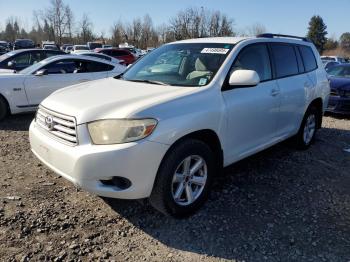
6,101
318,104
209,137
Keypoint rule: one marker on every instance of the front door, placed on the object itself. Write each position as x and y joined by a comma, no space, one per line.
251,112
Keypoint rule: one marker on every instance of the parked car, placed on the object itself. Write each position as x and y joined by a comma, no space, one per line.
103,56
79,48
64,46
69,49
339,101
50,47
20,59
23,91
106,46
329,64
93,45
120,54
338,59
4,47
23,44
165,135
137,54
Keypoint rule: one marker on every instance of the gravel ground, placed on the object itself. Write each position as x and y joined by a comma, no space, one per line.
279,205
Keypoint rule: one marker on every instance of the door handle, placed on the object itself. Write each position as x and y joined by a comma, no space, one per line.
83,80
275,92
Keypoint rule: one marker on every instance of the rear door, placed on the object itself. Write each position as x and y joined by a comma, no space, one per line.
291,80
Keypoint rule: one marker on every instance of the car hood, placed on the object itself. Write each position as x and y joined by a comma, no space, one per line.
110,98
340,83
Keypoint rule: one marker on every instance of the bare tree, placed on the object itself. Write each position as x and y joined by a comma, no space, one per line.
70,22
256,29
59,17
136,31
194,23
85,25
118,33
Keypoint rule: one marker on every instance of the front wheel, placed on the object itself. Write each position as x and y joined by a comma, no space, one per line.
184,179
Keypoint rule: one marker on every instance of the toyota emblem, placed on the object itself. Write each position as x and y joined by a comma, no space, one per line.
49,122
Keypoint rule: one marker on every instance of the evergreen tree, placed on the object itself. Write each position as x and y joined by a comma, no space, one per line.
317,32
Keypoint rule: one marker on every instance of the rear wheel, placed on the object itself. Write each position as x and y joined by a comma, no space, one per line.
306,134
184,179
3,108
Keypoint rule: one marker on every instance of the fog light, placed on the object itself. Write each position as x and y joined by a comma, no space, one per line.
120,182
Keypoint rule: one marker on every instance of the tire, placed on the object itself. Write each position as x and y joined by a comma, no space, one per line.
3,108
308,129
166,195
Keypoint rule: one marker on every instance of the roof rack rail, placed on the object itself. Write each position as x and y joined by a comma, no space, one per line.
269,35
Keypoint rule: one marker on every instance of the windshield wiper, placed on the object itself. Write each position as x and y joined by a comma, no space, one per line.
149,81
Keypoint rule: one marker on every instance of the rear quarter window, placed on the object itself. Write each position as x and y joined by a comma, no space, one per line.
308,58
285,60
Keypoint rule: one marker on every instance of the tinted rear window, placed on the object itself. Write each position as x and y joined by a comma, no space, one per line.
285,60
308,58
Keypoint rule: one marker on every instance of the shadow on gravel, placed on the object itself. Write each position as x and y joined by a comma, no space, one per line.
278,205
17,122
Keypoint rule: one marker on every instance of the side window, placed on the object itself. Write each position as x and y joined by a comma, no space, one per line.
22,59
35,57
92,67
300,60
254,57
285,60
61,67
308,58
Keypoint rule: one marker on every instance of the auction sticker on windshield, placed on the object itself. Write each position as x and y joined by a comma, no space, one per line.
222,51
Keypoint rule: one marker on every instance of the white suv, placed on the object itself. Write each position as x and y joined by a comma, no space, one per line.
167,126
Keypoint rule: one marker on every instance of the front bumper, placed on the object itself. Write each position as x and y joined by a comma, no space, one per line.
86,165
339,105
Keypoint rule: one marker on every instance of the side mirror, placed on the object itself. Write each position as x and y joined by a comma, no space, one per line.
11,64
41,72
244,78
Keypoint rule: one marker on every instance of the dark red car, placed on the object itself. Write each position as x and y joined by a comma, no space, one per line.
120,54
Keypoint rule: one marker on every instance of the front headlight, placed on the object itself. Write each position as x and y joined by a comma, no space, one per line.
118,131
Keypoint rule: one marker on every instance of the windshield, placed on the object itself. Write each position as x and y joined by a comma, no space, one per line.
191,64
4,57
339,71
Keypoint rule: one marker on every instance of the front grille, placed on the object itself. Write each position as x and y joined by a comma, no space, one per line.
61,127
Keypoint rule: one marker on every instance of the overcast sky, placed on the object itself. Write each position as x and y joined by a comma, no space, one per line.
288,17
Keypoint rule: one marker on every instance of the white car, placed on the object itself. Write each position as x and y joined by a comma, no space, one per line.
165,134
330,58
24,91
79,48
103,57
